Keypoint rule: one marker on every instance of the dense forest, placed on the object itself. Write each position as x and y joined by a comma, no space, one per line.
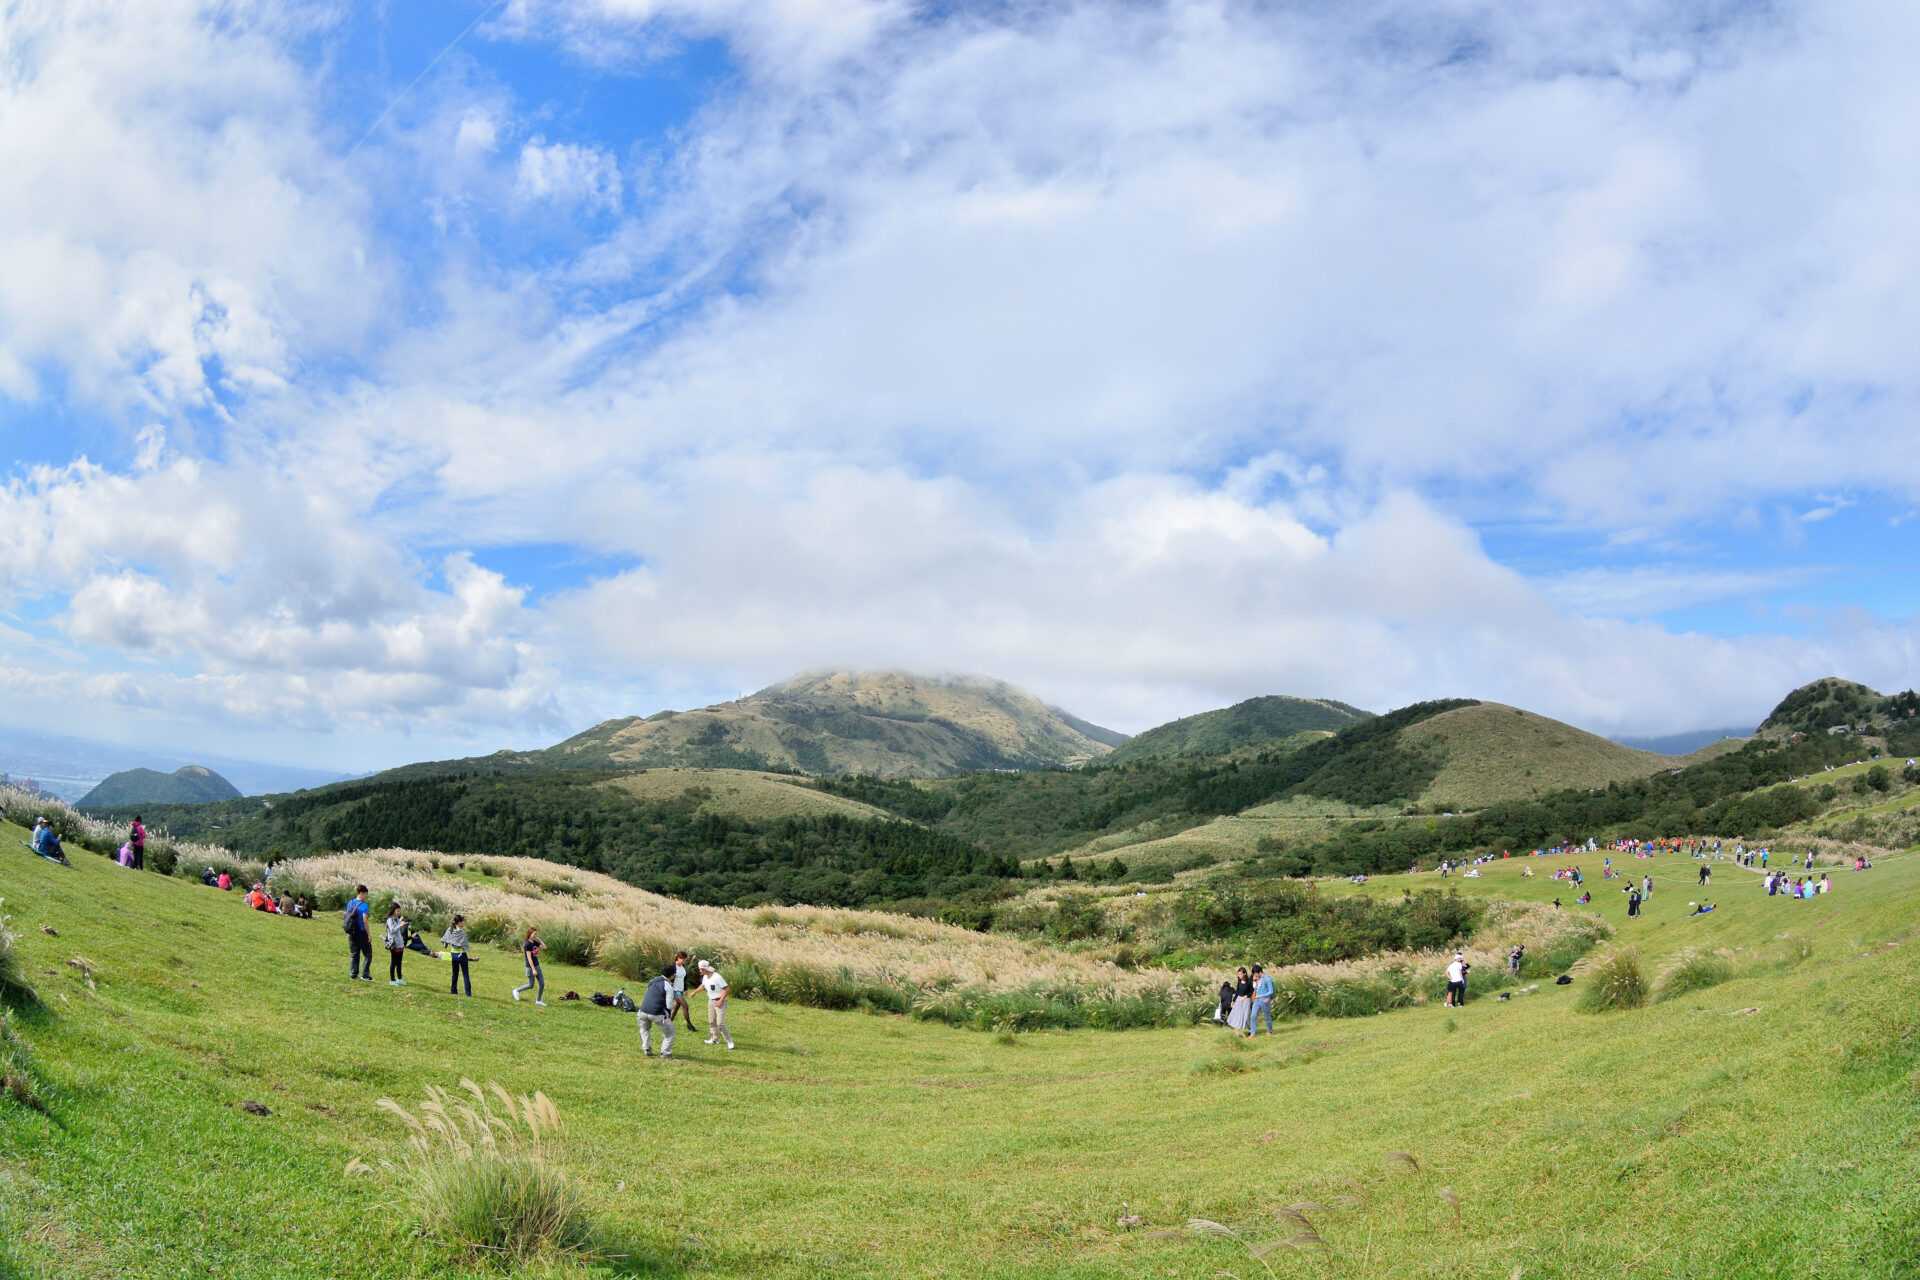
570,817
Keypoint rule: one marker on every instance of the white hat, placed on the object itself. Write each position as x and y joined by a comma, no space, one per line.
706,966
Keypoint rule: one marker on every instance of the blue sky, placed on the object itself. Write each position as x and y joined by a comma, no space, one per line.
383,381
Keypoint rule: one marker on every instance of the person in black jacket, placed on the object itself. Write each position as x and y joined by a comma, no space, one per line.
656,1010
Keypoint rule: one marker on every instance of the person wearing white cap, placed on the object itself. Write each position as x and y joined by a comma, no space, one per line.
1457,981
716,989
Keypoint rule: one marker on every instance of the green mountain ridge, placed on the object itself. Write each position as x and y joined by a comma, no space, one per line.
189,784
1272,718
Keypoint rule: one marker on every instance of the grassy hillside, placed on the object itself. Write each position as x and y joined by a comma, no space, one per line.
1488,753
756,797
1250,723
883,723
189,784
1754,1128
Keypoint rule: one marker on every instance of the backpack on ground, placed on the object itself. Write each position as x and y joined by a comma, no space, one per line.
624,1002
602,999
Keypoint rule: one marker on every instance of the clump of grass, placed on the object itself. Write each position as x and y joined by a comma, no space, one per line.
14,987
1694,969
1616,979
488,1176
19,1075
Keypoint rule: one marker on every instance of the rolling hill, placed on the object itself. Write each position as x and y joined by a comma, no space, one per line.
1824,705
1256,721
887,724
1489,752
189,784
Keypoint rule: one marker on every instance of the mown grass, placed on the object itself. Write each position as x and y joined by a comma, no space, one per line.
1654,1142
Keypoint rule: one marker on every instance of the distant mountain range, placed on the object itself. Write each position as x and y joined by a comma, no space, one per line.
68,767
1680,744
189,784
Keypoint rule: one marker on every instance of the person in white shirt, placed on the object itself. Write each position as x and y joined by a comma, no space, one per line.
716,989
680,1002
1457,981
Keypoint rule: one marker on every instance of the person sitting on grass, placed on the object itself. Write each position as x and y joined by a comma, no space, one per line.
224,882
257,899
46,842
414,942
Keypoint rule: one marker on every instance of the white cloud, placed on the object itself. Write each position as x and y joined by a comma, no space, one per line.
173,228
564,173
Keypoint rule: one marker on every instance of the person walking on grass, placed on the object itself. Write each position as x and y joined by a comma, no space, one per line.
455,941
656,1010
1457,981
396,940
359,943
716,989
680,1002
1706,873
1262,1002
138,839
535,978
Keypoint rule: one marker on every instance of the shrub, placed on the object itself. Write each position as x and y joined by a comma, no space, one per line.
813,986
1615,980
635,956
1694,970
489,1180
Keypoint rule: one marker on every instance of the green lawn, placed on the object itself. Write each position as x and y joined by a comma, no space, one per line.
1766,1127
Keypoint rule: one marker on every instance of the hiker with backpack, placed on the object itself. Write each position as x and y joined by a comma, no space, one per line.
656,1010
359,944
532,947
455,941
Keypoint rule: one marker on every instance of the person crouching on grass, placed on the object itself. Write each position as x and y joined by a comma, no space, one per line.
1457,981
716,989
656,1010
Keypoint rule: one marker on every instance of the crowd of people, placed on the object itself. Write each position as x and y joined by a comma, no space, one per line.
665,995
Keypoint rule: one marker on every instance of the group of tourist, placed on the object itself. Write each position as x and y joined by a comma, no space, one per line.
665,996
1246,999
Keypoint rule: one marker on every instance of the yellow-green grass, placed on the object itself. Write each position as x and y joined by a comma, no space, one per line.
1491,752
1759,1128
757,797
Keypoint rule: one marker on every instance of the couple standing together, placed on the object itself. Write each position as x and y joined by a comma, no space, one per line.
667,995
1246,1000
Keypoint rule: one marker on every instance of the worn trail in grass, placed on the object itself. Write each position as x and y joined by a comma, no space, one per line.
1762,1127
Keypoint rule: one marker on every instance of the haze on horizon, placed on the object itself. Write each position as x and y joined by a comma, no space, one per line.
388,382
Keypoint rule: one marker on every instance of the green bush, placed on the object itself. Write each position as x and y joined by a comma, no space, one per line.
636,957
813,986
20,1077
1694,970
1614,980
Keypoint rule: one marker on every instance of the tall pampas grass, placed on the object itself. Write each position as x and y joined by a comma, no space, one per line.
486,1174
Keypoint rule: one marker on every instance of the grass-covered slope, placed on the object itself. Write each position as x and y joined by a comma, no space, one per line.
189,784
1489,752
1756,1128
1275,718
883,723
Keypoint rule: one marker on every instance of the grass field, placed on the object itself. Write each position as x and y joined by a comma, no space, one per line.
1764,1127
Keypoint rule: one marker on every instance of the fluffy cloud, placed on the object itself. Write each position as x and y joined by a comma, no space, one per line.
175,230
1153,354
